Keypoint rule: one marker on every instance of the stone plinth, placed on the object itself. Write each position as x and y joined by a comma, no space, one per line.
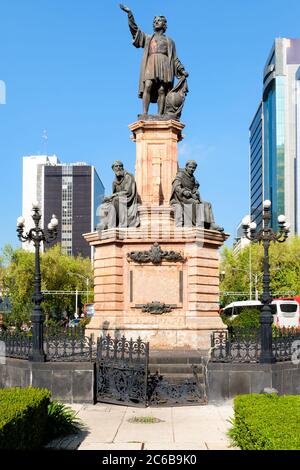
188,287
156,159
167,290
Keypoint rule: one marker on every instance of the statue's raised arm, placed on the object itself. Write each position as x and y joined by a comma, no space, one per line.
126,9
131,21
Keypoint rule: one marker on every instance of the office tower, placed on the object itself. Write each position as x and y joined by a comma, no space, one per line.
73,192
240,240
275,137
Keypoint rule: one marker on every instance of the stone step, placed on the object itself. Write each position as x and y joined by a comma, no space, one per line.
175,357
181,378
175,368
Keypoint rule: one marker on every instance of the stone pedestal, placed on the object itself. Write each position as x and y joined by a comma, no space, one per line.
156,159
157,281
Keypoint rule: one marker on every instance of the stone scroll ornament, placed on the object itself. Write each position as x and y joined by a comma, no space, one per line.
156,308
160,65
155,255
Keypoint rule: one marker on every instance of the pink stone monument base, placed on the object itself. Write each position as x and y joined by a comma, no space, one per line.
191,287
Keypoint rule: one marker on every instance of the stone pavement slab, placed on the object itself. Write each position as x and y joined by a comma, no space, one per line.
175,446
103,446
146,432
110,427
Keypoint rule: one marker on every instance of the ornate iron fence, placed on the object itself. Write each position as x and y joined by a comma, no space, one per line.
243,345
122,370
17,345
60,344
189,392
69,346
286,343
238,345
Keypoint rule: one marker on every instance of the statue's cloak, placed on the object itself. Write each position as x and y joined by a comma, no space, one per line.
143,40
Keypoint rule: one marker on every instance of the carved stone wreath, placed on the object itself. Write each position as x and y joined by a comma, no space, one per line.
155,255
156,308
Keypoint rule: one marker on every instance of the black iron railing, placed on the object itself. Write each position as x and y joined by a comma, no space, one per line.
244,344
238,345
60,344
122,370
286,344
16,344
69,346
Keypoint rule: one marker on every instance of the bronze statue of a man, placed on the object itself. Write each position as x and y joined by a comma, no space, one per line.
160,63
121,208
190,210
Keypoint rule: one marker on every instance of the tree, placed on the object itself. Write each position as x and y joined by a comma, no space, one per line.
56,269
18,282
284,270
64,273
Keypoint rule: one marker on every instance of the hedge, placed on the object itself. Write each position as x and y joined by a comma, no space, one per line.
23,417
248,318
266,422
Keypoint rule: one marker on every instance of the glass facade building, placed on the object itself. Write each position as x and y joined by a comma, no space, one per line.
256,166
274,137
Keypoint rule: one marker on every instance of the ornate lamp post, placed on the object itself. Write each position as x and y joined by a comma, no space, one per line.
266,235
37,235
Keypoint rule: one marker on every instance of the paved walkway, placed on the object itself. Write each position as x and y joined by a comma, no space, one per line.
110,427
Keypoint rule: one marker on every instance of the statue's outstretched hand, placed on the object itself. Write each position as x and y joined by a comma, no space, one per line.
126,9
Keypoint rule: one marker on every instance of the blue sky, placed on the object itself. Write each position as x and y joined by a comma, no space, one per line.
69,67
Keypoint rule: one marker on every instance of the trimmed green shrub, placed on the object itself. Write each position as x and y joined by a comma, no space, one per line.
62,420
23,417
248,318
266,422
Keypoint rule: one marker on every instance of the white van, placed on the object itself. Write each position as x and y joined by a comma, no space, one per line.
286,313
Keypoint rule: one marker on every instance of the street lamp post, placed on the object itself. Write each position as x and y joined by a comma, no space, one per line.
37,236
266,235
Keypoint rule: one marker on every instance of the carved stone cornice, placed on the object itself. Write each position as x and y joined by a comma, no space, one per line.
155,255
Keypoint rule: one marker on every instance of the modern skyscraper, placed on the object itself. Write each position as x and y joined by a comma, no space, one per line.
256,167
275,137
71,191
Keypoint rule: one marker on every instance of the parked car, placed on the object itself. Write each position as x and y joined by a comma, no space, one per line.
286,313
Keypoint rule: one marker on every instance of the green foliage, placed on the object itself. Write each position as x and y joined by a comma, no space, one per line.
62,420
284,271
23,418
18,281
59,272
248,318
63,272
266,422
84,322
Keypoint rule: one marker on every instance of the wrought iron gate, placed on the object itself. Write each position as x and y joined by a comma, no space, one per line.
122,370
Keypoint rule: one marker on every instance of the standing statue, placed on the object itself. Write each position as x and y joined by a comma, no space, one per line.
121,208
190,210
160,65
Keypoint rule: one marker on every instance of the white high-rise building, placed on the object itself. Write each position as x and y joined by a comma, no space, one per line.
33,188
